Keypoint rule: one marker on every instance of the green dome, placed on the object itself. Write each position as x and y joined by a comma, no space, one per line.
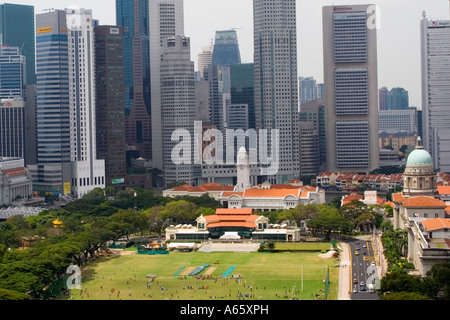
419,157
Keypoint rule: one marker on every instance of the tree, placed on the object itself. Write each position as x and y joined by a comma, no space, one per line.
12,295
440,273
329,220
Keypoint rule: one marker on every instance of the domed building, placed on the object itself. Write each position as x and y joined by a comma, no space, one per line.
419,210
419,178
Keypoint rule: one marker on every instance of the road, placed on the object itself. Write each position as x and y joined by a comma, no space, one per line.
364,270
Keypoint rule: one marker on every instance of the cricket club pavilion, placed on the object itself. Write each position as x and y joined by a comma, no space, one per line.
233,224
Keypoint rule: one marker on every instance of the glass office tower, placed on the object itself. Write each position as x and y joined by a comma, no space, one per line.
226,48
17,30
52,174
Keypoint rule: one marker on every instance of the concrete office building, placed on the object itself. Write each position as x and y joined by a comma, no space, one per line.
308,89
276,81
351,89
12,128
205,59
88,172
165,20
435,44
110,113
178,109
397,120
383,98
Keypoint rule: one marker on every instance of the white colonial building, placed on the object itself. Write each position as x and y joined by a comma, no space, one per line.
15,180
420,211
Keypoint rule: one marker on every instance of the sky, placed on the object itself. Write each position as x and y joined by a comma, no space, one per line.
398,37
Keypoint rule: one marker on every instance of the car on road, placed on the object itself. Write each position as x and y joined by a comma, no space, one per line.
372,263
363,288
355,290
356,253
358,248
355,281
362,284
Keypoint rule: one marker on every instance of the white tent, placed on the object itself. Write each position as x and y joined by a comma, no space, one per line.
230,236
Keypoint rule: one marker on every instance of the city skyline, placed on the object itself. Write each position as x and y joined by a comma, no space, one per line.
398,43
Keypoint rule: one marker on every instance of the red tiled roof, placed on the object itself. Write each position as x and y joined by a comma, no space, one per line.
232,218
15,172
444,189
397,197
423,202
435,224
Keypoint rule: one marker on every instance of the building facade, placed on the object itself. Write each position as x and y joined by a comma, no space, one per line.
12,128
165,20
88,172
15,181
17,30
351,89
52,173
133,16
110,98
12,73
178,109
435,51
398,99
398,120
226,48
276,81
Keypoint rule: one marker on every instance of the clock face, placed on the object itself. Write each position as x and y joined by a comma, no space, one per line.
241,166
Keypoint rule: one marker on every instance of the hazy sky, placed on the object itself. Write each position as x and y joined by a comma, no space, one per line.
398,38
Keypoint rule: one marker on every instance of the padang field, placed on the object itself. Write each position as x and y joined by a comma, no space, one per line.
283,275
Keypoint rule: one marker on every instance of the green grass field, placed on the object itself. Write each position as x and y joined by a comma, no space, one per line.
265,276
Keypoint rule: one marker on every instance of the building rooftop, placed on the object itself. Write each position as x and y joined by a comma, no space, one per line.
423,201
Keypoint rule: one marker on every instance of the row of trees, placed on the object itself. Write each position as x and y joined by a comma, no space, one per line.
87,226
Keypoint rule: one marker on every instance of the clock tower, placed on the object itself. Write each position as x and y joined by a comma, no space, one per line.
243,171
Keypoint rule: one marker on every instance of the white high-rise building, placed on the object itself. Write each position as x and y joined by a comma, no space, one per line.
165,20
205,59
276,81
178,108
88,172
351,88
435,36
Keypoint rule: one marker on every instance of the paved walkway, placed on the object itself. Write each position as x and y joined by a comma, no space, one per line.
344,272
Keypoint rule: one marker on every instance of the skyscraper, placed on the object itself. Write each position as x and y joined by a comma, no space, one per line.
178,106
133,15
17,30
397,99
52,173
165,20
242,87
110,113
12,102
351,89
12,73
435,44
88,172
12,128
308,89
383,96
276,80
205,59
226,48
